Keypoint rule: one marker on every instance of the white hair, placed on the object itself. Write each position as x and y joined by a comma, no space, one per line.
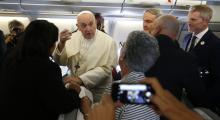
84,12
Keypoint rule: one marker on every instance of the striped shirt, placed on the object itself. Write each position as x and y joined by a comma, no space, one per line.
131,111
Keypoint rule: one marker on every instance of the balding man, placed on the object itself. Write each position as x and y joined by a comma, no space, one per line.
89,53
175,68
149,16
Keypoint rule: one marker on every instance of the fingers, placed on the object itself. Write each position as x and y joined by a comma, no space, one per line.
75,87
159,103
94,113
154,84
67,79
70,79
160,98
85,105
65,35
71,83
179,105
106,100
102,111
64,31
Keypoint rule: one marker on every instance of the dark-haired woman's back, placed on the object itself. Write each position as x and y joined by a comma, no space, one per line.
2,46
34,90
31,86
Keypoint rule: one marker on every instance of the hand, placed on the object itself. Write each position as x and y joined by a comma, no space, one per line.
9,38
64,36
168,105
73,79
105,110
71,83
85,106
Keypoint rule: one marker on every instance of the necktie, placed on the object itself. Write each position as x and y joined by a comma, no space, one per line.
192,43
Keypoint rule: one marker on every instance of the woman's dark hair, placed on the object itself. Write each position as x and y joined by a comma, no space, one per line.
36,42
99,22
1,35
38,38
2,45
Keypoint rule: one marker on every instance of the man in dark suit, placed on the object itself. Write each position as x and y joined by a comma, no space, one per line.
175,69
206,48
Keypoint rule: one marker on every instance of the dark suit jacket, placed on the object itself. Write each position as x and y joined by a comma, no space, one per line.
176,70
207,53
34,90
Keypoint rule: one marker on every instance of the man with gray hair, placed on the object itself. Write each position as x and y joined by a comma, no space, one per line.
175,69
137,55
89,53
149,16
205,45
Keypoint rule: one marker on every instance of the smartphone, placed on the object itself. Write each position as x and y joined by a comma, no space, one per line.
131,93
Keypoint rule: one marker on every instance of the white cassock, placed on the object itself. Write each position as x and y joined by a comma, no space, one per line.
95,58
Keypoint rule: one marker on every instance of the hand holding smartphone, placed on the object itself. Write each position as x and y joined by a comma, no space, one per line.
129,93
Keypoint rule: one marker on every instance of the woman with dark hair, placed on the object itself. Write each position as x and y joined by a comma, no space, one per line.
31,84
2,46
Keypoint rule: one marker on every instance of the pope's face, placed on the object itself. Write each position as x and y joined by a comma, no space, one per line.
87,25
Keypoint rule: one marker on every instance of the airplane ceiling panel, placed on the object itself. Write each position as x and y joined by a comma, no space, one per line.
130,8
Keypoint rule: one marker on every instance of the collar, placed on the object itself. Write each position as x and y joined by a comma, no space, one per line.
201,34
87,41
133,77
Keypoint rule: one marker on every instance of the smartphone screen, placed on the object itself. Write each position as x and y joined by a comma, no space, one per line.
132,93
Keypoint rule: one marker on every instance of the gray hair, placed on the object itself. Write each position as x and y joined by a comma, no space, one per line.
141,51
154,11
204,10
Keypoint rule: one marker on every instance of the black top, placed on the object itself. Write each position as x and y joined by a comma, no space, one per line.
176,70
2,46
207,52
34,90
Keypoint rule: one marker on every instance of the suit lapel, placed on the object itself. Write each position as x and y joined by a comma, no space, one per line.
203,40
187,39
